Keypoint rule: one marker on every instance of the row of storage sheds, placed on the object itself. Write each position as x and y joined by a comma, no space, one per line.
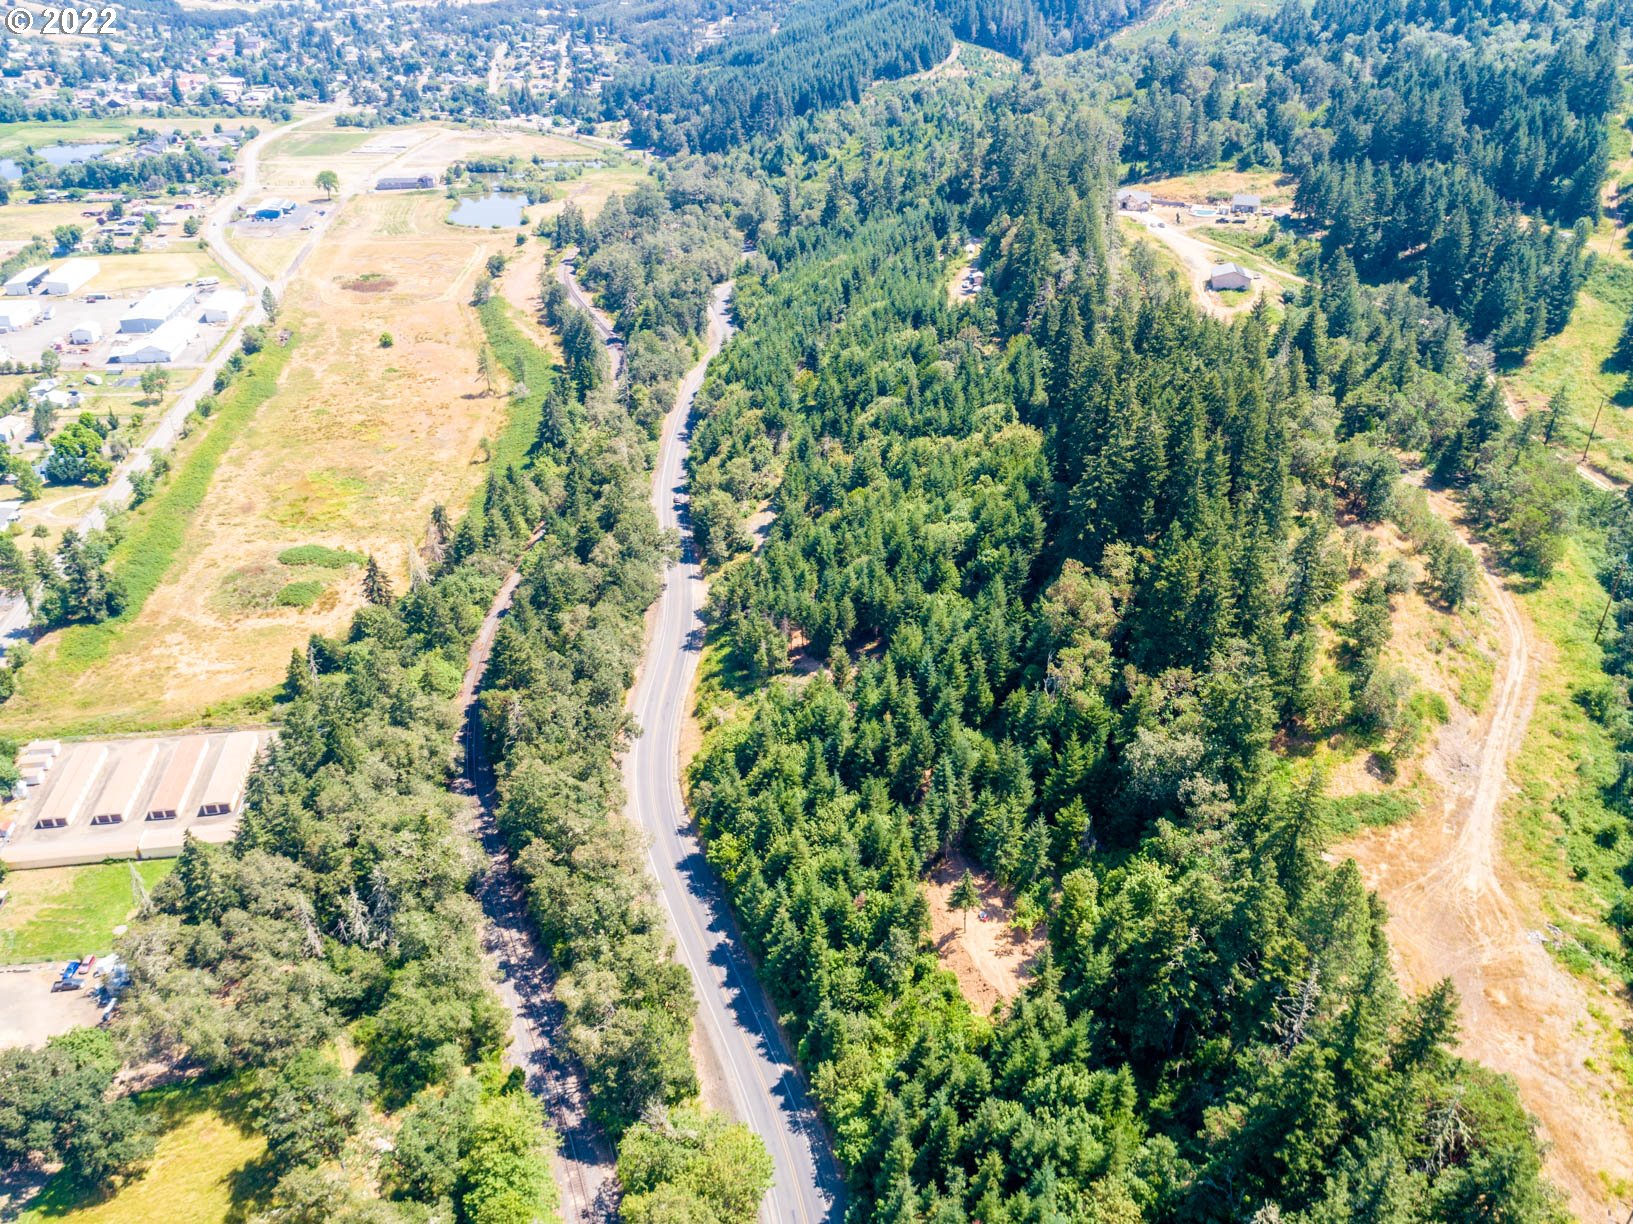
191,780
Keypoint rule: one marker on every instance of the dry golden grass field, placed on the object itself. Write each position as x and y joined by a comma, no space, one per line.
352,451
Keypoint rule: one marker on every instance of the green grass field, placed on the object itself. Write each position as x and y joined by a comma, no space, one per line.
306,143
17,137
1576,360
526,363
1560,830
63,912
204,1169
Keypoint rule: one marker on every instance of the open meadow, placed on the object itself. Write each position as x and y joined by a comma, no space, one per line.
61,912
204,1167
349,451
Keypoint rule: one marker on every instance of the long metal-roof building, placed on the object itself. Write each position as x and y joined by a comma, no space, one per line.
170,797
124,785
21,283
69,276
155,309
80,772
224,790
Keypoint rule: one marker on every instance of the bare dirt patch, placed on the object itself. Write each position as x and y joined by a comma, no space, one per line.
1459,909
372,282
991,960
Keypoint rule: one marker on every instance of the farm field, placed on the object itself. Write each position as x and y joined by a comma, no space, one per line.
62,912
352,449
151,269
20,220
358,158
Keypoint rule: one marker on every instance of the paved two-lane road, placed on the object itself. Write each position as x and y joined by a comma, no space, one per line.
735,1022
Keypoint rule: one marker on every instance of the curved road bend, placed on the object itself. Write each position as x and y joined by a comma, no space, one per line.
567,274
525,983
736,1023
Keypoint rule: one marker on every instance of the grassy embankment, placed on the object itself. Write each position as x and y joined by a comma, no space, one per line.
153,533
61,912
527,365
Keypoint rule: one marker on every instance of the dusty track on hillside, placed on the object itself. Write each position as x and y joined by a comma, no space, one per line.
1442,877
525,982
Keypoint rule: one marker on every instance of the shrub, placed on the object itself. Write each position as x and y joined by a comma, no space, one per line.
300,594
320,555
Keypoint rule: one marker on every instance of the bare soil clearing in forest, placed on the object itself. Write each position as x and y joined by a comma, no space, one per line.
991,960
352,451
1457,909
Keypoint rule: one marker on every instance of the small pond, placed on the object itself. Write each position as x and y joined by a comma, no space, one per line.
495,210
71,154
55,155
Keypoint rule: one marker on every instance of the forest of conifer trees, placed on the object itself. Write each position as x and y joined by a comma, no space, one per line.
1063,580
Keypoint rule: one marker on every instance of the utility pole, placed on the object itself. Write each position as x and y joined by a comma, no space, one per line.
1615,587
1595,427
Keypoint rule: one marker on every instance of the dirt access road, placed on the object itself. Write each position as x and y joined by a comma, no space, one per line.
1199,257
524,981
1450,915
1441,876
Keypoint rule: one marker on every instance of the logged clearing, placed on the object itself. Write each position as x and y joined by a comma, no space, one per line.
991,960
1459,907
352,451
1202,185
1450,656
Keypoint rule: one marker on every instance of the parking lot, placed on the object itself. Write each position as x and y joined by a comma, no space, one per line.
93,800
31,1013
305,216
67,313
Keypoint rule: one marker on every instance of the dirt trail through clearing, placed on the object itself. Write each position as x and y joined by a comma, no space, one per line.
1442,877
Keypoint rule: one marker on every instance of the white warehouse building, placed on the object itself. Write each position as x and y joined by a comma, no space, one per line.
88,332
70,276
222,306
1229,276
23,282
164,346
155,309
17,315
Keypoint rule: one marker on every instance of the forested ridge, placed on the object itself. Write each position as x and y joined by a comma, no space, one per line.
1061,559
340,912
1451,146
824,53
